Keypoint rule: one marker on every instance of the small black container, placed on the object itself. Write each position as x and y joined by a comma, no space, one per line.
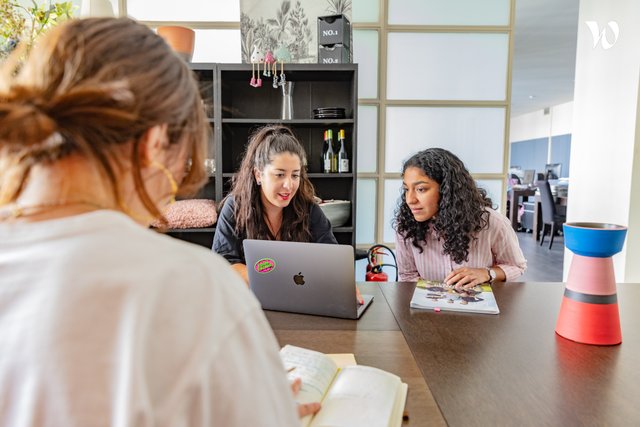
334,29
336,54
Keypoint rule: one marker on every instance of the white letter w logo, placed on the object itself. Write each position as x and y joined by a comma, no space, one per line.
601,36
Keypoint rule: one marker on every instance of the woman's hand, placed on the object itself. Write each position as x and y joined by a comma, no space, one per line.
304,409
466,278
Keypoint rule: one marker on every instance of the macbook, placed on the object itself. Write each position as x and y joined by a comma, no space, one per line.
309,278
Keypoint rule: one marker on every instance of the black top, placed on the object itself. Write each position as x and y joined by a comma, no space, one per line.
228,244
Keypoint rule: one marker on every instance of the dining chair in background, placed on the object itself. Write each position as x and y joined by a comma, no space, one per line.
550,215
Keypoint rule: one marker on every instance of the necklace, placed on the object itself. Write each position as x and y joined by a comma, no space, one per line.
16,211
272,229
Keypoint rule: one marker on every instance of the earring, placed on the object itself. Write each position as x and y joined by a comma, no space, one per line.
258,183
172,180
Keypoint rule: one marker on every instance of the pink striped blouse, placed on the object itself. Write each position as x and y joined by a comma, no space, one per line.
497,245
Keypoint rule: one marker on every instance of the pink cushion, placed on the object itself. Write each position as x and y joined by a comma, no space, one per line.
194,213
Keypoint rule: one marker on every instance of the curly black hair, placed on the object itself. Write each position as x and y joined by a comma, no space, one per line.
461,209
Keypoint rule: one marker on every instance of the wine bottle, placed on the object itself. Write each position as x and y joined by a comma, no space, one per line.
329,154
324,150
343,158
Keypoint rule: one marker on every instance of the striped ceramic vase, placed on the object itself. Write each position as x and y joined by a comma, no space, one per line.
589,311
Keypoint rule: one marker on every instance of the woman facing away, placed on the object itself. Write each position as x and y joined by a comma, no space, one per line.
102,321
446,229
271,198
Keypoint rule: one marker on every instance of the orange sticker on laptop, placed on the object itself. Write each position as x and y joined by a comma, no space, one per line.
265,265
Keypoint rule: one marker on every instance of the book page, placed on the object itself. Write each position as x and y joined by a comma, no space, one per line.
360,396
343,359
315,369
398,406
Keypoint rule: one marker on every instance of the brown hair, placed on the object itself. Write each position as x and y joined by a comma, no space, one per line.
89,86
263,145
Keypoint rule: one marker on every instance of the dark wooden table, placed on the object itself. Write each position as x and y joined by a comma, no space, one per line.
512,369
375,340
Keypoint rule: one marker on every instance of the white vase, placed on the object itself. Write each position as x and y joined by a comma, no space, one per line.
96,8
287,101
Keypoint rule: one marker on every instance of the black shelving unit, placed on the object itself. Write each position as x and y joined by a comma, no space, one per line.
236,110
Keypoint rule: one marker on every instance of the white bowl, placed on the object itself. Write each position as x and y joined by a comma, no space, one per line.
336,211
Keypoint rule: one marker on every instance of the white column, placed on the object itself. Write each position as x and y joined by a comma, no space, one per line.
605,147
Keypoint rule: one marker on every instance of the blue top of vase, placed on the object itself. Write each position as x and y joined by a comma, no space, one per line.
594,239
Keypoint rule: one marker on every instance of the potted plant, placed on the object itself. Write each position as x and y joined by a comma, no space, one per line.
181,39
21,23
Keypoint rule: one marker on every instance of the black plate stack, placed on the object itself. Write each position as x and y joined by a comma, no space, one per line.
329,113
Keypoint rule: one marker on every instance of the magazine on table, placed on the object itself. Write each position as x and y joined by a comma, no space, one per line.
433,295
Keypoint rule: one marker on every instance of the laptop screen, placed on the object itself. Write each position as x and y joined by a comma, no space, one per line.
529,176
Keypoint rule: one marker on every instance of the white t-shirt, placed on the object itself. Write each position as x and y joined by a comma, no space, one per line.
105,323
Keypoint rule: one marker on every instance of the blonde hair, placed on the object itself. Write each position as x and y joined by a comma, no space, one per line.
89,86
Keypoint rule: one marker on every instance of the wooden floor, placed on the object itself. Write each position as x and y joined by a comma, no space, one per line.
543,264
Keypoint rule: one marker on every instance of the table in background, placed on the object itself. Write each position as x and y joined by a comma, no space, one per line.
514,199
512,369
375,340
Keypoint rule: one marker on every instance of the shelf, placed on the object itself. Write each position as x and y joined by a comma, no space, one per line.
191,230
329,175
314,175
239,109
212,230
310,122
294,72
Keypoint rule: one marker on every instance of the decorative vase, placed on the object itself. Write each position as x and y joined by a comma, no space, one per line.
589,311
181,39
287,101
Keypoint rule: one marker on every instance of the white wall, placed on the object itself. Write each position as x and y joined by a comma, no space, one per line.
539,125
605,129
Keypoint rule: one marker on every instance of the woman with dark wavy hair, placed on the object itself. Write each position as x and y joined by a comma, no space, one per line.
446,229
271,198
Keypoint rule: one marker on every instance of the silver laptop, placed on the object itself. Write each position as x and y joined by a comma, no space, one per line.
310,278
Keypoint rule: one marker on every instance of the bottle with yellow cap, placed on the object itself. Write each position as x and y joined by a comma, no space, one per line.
343,157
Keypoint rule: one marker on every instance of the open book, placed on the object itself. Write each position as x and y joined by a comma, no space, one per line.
351,395
430,295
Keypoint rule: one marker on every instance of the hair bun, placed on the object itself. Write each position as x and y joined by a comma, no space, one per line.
24,123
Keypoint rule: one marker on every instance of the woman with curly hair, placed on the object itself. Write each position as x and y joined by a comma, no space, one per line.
271,198
446,229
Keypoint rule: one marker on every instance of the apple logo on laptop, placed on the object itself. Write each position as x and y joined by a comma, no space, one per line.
299,279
